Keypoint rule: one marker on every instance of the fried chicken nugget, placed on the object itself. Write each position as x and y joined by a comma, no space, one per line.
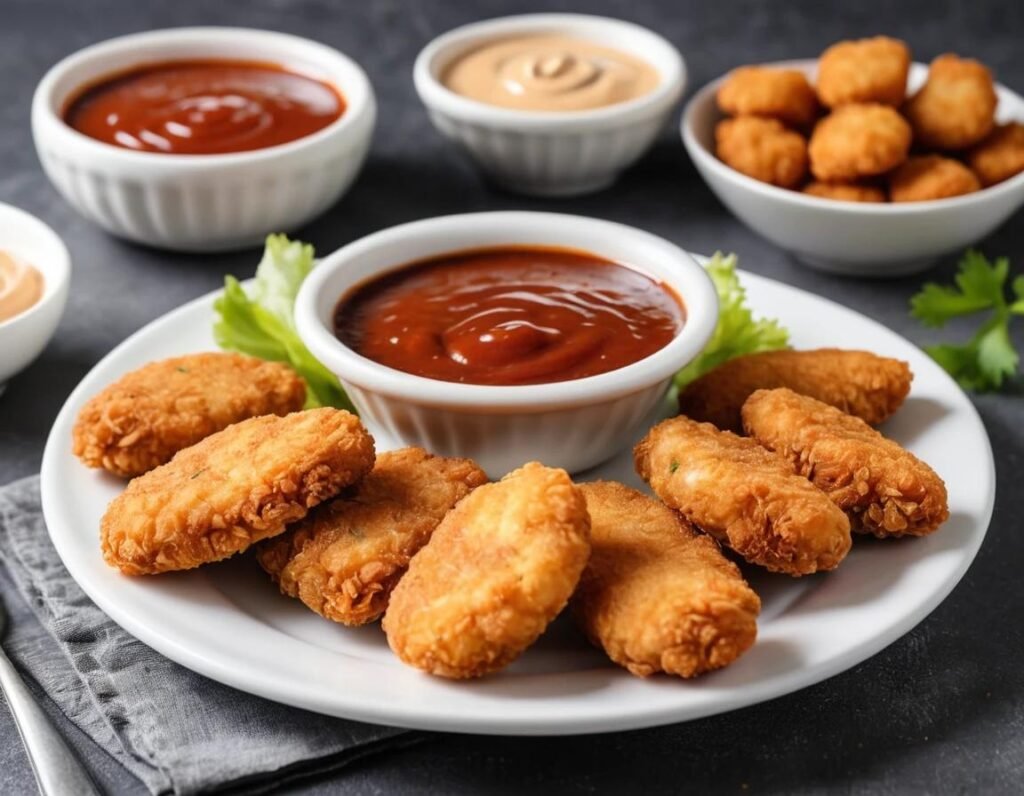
885,489
344,559
956,107
497,570
745,496
232,489
928,177
762,149
782,94
656,595
1000,156
845,191
856,141
858,382
144,418
865,70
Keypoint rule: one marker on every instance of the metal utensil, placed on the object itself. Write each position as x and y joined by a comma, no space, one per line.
57,770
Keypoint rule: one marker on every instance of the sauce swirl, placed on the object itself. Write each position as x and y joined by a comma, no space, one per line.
511,315
204,107
21,286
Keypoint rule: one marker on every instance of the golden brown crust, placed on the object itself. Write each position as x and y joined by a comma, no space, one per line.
497,570
928,177
856,141
762,149
858,382
865,70
232,489
144,418
344,559
1000,156
745,496
956,107
885,489
656,595
783,94
845,191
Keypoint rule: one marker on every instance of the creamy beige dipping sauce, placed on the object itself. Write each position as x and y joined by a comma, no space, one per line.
21,286
549,73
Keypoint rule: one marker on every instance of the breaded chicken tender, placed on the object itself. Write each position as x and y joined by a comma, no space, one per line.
144,418
956,107
845,191
745,496
782,94
885,489
762,149
656,595
928,177
856,141
865,70
232,489
344,559
858,382
497,570
1000,156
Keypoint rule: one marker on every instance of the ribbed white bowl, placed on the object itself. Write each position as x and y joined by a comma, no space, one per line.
203,202
572,424
551,153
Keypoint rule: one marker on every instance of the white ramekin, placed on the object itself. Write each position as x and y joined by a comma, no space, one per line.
23,337
202,202
571,424
853,238
551,153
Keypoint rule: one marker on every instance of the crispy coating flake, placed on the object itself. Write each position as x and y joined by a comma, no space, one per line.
762,149
232,489
497,570
956,107
656,595
344,559
885,489
782,94
856,141
845,191
144,418
931,177
865,70
858,382
745,496
1000,156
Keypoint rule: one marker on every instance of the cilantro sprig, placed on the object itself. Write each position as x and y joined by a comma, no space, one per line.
989,358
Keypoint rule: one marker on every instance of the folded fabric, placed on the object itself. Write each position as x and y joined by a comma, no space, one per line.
176,730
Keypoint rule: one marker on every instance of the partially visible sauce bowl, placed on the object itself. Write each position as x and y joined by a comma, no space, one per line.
512,315
203,107
21,286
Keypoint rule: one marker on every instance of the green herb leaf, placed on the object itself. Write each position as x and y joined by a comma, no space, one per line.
261,322
979,286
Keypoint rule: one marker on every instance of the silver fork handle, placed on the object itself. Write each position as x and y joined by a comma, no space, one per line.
57,769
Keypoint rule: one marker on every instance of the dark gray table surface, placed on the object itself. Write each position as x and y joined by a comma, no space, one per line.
941,710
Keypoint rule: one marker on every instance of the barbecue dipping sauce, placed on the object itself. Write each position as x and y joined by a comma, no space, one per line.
203,107
511,315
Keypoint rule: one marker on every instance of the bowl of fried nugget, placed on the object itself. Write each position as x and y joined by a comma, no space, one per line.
862,162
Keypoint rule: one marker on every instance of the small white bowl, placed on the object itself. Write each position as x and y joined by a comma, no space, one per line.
23,337
202,202
551,153
859,239
571,424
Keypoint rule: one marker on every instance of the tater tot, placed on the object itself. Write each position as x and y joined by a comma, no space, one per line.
656,595
762,149
783,94
1000,156
857,141
866,70
931,177
955,108
845,191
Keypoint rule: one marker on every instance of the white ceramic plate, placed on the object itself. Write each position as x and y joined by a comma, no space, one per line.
228,622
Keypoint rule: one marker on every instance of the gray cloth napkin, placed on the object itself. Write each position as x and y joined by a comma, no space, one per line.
175,730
